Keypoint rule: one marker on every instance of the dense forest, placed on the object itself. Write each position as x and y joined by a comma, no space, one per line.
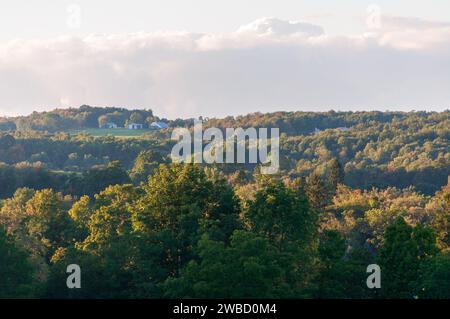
354,188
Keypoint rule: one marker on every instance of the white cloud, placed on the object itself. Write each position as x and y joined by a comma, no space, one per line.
273,26
267,65
414,33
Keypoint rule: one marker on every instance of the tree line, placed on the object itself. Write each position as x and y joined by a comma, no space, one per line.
377,150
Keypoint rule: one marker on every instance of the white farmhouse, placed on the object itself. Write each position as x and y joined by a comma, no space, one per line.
109,125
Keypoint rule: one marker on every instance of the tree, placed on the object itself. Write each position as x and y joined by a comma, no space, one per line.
438,210
81,213
111,218
280,214
7,141
95,279
251,267
317,192
336,174
404,250
180,203
342,274
434,278
239,178
13,213
102,120
48,222
332,247
100,177
126,261
136,117
144,165
16,273
283,216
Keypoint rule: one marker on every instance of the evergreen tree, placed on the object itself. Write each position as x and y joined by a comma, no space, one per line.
317,192
336,174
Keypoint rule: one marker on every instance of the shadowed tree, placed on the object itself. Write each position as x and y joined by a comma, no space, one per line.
16,273
404,249
336,175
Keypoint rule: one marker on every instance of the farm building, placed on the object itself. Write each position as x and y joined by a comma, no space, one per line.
109,125
135,126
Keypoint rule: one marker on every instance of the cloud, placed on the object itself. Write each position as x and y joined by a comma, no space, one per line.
414,33
267,65
402,23
273,26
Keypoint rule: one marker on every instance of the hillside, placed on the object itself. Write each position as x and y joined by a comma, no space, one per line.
376,149
353,189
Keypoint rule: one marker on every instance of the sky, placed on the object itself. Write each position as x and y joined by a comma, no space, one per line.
216,58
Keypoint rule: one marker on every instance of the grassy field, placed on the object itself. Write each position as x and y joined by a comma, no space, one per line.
118,132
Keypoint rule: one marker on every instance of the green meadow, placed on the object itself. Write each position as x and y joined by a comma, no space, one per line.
117,132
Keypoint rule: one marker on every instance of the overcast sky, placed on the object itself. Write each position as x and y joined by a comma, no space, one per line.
204,57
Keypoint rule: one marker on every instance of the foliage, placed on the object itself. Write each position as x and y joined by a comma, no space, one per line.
15,270
142,228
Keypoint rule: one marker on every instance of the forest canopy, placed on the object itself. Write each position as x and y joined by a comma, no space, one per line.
354,189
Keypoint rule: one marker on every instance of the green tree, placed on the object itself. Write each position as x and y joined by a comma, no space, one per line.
434,278
136,117
13,214
144,165
251,267
95,279
81,213
16,272
280,214
404,249
283,216
342,274
439,208
180,203
100,177
336,174
317,192
48,222
7,141
124,257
